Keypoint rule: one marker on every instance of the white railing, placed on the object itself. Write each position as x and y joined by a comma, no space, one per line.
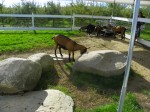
33,16
146,20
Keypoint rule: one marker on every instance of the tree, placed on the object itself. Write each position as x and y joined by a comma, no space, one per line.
1,9
52,8
28,7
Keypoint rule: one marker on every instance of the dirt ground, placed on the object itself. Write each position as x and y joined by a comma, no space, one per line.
140,64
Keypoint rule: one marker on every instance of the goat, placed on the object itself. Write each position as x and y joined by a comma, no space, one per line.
68,44
119,30
98,30
90,29
108,30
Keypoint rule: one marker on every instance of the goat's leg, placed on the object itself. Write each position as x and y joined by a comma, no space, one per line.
56,49
122,35
69,55
73,56
113,34
60,51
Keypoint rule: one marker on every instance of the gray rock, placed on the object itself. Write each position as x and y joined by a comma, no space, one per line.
17,75
45,60
104,62
37,101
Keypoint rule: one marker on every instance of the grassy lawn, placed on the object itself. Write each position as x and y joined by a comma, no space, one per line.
20,41
131,105
145,34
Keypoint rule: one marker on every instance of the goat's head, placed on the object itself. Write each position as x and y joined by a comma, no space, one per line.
82,51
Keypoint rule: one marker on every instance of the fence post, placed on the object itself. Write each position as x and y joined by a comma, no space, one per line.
33,23
32,20
73,20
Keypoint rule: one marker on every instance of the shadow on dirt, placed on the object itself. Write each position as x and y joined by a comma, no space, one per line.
106,85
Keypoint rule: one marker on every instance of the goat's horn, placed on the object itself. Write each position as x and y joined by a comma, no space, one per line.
88,47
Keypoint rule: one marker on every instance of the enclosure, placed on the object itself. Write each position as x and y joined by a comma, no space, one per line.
90,93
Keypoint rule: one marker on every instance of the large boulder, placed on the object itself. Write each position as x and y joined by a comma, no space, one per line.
45,60
104,62
17,75
37,101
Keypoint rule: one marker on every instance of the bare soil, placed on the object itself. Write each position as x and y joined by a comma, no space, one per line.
88,98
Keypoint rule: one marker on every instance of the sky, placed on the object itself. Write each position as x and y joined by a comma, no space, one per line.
41,2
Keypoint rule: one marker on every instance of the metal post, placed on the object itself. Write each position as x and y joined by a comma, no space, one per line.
32,20
73,20
130,52
112,14
93,10
72,15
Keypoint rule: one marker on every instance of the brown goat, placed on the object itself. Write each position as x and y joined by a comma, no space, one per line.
68,44
98,30
119,30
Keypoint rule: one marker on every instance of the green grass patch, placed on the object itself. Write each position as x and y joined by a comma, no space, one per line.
20,41
130,105
145,34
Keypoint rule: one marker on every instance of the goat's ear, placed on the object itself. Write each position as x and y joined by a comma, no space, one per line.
88,47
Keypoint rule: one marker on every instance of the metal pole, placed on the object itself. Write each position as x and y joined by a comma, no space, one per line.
72,16
93,10
73,21
112,11
130,52
32,20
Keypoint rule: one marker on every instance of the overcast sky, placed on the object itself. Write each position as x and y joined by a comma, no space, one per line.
11,2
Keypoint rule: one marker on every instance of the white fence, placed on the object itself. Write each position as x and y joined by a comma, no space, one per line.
33,16
72,21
